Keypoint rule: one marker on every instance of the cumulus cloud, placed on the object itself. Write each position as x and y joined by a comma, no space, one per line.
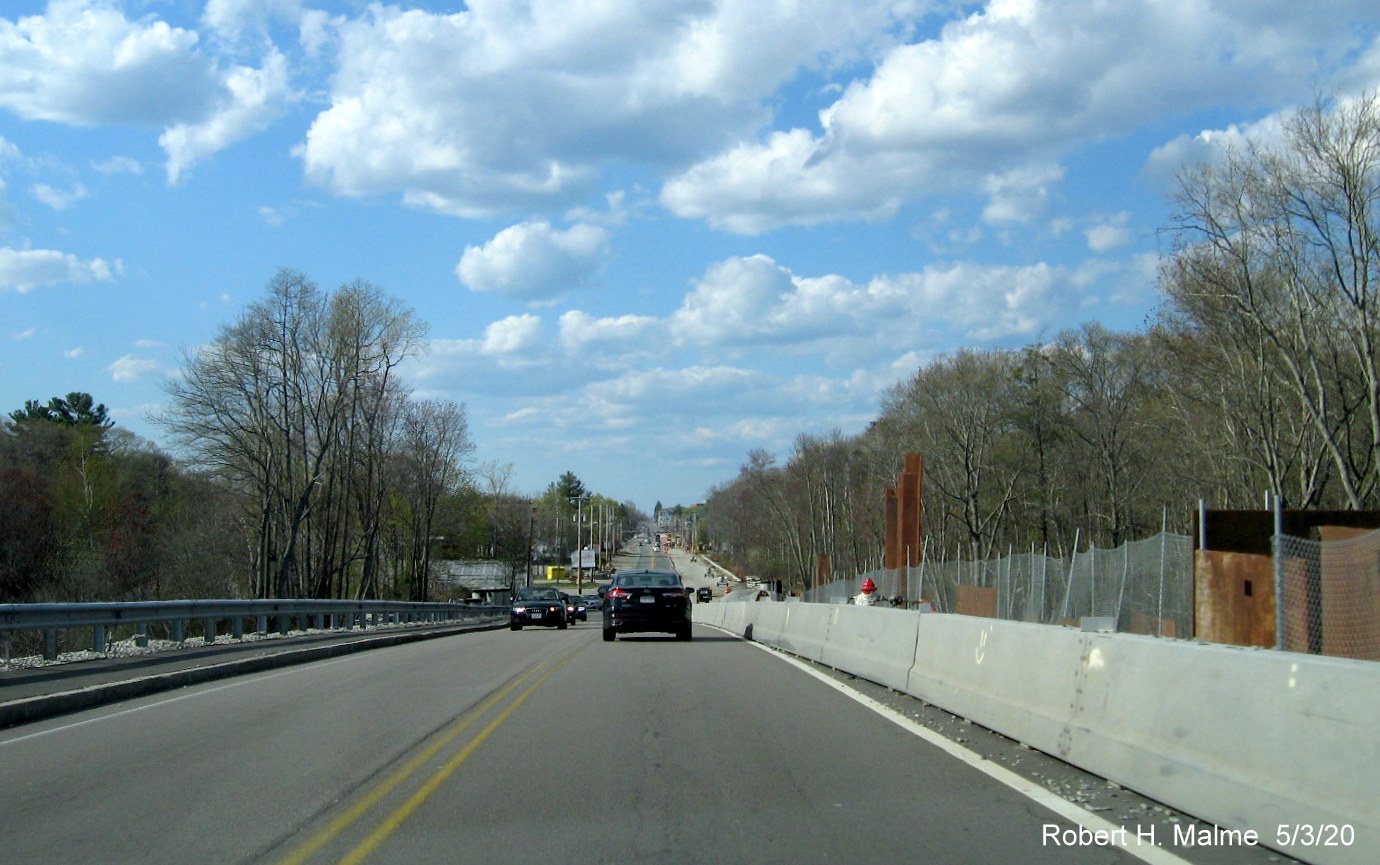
1210,146
758,301
1110,233
133,368
58,199
512,335
1020,195
119,165
964,107
84,63
502,107
624,333
233,20
253,99
532,261
25,269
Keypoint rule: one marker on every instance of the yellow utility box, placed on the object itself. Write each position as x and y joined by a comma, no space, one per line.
555,572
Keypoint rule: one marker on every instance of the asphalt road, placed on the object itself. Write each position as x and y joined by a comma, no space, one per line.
538,746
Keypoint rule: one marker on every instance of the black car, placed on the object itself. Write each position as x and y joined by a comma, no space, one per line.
536,606
575,608
704,594
641,601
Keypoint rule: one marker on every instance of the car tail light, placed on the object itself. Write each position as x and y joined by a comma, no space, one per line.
618,595
676,593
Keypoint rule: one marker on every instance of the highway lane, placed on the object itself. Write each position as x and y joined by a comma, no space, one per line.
533,746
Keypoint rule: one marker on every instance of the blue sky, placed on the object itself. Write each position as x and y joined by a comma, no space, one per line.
648,236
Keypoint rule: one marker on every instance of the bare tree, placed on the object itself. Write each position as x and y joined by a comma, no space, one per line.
1107,380
1285,236
958,412
295,403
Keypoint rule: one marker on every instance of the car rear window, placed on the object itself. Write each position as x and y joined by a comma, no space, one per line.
652,580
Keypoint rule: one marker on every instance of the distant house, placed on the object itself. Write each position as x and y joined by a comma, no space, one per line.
485,581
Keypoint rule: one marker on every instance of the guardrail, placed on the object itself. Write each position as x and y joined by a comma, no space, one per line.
51,619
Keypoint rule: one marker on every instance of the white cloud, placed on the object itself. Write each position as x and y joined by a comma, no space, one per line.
625,333
74,352
25,269
58,199
1110,233
84,63
27,333
234,19
1020,195
9,151
755,301
132,368
502,106
534,262
119,165
512,335
1212,145
793,178
1003,93
253,99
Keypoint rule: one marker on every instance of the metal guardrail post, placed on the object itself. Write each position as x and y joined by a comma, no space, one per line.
50,652
179,631
98,639
208,630
237,628
141,635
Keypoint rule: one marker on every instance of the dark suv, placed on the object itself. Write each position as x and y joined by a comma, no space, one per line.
535,606
641,601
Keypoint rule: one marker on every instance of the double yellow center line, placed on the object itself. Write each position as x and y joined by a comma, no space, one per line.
394,820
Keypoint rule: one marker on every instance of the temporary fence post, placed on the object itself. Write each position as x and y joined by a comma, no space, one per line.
1277,548
1068,585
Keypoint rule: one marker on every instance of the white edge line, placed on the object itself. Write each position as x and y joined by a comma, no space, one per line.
1145,851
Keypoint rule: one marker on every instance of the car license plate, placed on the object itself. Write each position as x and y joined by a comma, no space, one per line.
647,599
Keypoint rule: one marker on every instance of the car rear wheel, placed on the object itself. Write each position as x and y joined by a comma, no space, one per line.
610,635
683,634
560,626
515,627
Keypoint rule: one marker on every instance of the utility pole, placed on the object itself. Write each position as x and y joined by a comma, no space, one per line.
531,520
579,546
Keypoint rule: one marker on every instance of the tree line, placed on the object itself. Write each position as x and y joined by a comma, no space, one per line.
1260,372
305,467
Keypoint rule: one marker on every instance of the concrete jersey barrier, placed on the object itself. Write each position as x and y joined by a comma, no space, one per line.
1246,739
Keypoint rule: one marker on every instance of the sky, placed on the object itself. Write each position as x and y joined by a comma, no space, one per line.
648,236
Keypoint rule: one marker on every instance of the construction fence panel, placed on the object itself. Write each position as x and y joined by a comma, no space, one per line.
1329,596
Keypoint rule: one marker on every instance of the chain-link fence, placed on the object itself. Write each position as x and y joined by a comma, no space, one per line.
1329,601
1146,586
